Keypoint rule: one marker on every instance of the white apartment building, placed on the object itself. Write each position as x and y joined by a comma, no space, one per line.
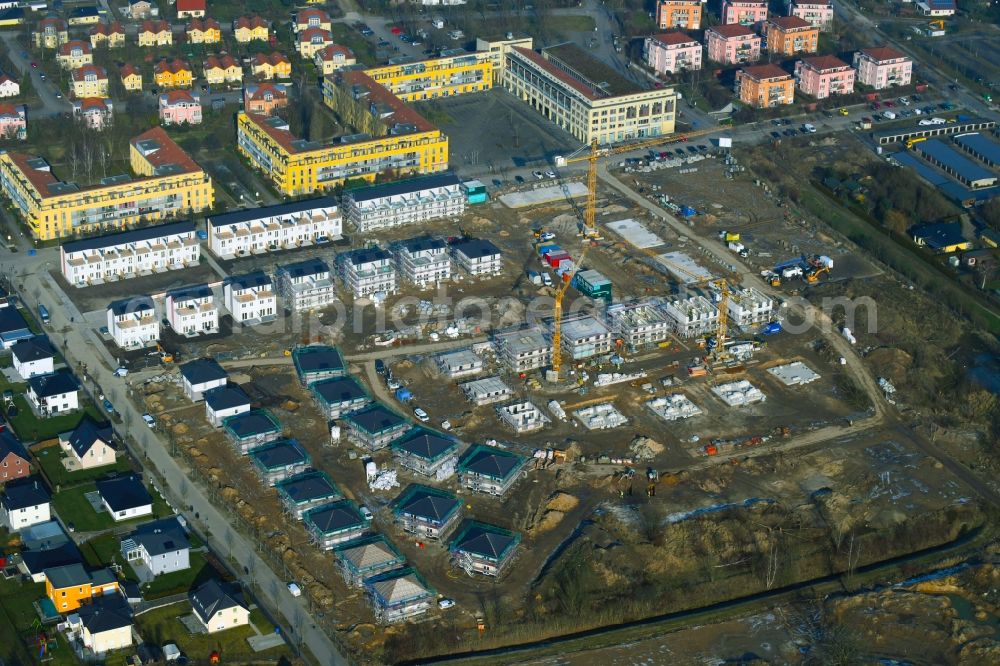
192,310
250,298
404,202
424,261
524,349
691,316
129,254
638,324
477,257
306,285
585,336
132,322
282,227
749,306
367,271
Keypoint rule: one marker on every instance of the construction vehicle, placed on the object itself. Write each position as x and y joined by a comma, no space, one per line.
912,141
812,276
938,24
165,356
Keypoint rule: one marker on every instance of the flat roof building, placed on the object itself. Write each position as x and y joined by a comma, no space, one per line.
524,349
980,147
459,363
585,336
955,165
692,315
285,226
410,201
306,285
191,311
129,254
368,271
423,261
477,257
486,391
638,324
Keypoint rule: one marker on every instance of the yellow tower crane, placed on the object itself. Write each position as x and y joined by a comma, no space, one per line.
557,313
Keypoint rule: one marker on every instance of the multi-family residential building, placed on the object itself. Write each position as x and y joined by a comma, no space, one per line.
132,322
83,15
477,257
223,69
110,35
264,98
499,47
749,306
139,9
585,336
174,73
9,87
190,8
490,470
311,18
732,44
333,57
744,12
585,97
883,67
427,512
247,29
306,285
787,35
639,325
368,271
672,52
312,40
155,33
51,33
524,349
192,311
13,121
129,254
479,548
823,76
180,107
451,74
691,316
272,66
250,298
404,202
391,136
818,12
95,112
765,86
281,227
423,261
90,81
131,77
74,53
204,31
683,14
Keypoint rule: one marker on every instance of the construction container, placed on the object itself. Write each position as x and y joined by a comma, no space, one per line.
475,192
593,284
771,328
546,248
556,259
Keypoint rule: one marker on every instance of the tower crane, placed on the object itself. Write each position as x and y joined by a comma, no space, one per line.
722,284
557,313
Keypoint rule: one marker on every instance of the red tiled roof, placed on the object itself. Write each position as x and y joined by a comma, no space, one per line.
249,22
302,18
257,91
92,103
53,21
379,94
732,30
826,62
65,49
179,97
333,49
674,38
80,73
4,79
768,71
789,22
203,24
129,69
10,110
883,53
273,58
173,66
305,37
154,26
190,5
107,29
220,62
168,152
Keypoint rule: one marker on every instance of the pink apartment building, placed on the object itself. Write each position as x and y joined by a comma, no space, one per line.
94,112
818,12
13,122
672,52
823,76
883,67
732,44
178,107
744,12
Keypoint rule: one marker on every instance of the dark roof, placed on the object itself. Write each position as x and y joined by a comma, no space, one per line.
37,561
426,502
225,397
475,248
132,236
423,243
317,359
161,536
252,423
964,168
83,12
376,418
941,4
491,461
364,255
194,291
106,613
403,186
307,487
73,575
249,214
124,492
213,597
425,443
335,517
33,349
282,453
939,235
304,268
10,444
488,541
134,304
338,390
86,434
24,493
53,383
11,320
250,280
203,370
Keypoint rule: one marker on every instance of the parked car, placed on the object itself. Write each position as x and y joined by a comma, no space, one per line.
379,366
294,590
421,415
444,604
538,174
366,512
776,135
547,236
121,372
550,173
844,112
149,420
108,407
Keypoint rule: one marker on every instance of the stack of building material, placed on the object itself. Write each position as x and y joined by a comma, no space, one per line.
737,394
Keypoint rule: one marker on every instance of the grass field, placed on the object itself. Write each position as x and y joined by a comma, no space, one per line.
30,428
18,636
570,23
73,507
50,460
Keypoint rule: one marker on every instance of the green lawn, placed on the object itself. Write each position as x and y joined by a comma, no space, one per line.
32,429
354,40
163,625
570,23
73,507
181,581
18,635
50,460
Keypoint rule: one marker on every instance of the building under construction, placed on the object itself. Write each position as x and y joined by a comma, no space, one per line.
524,349
585,336
479,548
692,316
749,306
639,325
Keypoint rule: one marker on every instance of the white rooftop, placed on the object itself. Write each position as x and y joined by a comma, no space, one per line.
635,233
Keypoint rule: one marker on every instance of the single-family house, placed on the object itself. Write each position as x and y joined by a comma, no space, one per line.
14,463
95,112
104,625
88,445
218,607
13,326
942,237
71,586
251,430
317,362
180,107
125,497
157,548
334,523
311,18
54,393
264,99
366,557
307,491
225,401
9,87
489,470
339,395
24,503
190,8
398,595
280,460
333,57
483,549
33,356
426,452
131,77
375,426
201,375
140,9
427,512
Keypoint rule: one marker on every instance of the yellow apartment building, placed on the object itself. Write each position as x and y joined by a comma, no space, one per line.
90,81
452,74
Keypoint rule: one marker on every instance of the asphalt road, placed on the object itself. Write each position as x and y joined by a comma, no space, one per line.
51,106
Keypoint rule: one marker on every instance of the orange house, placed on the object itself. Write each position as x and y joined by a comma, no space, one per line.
683,14
765,86
788,35
72,586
